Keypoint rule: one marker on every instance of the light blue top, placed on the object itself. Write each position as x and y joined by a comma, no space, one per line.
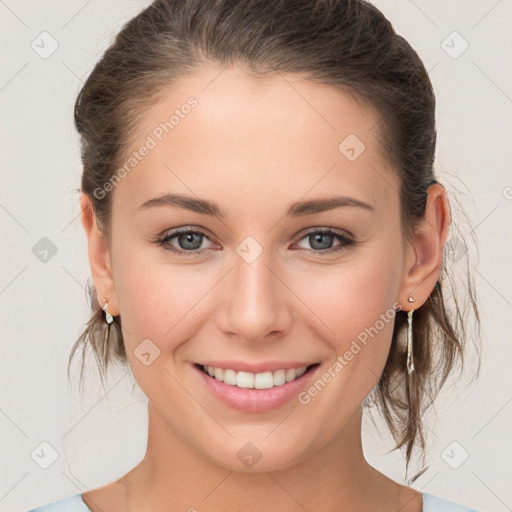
75,503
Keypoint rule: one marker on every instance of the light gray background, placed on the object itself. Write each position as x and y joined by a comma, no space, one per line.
43,305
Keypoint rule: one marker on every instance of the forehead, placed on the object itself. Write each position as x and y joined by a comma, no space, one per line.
220,131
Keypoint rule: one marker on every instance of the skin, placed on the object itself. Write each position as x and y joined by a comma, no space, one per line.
254,147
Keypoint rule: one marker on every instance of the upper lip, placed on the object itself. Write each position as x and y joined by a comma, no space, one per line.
261,367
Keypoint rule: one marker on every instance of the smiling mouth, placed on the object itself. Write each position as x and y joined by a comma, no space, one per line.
248,380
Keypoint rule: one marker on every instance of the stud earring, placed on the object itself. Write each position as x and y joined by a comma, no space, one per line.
411,299
410,362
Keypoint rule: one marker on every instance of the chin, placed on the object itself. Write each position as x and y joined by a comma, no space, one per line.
261,454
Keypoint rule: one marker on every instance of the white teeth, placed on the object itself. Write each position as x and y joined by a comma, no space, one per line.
219,374
244,380
230,377
265,380
290,375
300,371
279,377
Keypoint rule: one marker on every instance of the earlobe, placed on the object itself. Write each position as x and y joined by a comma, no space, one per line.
99,256
425,254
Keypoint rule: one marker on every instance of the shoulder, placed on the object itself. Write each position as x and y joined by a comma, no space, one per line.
72,503
433,503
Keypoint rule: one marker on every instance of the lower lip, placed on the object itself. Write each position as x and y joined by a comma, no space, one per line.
255,400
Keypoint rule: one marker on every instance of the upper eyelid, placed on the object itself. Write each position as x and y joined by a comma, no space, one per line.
337,231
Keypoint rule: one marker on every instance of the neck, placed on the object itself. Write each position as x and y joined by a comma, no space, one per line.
335,478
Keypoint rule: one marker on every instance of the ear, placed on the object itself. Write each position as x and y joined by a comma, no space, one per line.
99,257
424,255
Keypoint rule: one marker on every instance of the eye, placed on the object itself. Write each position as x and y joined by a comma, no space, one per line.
189,242
184,241
321,240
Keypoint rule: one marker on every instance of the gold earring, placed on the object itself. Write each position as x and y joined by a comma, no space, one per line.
410,362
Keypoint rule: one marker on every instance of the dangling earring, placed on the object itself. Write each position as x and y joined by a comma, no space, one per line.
108,317
410,362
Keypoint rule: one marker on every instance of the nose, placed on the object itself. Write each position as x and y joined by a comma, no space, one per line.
256,302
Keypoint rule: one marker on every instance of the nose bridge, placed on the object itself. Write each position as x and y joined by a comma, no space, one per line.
257,303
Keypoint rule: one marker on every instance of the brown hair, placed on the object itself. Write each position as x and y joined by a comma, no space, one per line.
347,44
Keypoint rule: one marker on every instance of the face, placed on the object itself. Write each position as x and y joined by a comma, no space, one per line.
264,278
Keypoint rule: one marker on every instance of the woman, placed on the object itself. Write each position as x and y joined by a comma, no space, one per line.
266,240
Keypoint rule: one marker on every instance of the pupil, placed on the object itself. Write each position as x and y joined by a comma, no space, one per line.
318,238
188,238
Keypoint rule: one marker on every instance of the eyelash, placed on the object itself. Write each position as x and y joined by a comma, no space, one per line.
346,242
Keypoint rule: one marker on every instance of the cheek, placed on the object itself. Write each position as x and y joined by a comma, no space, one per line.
156,299
157,304
355,309
356,302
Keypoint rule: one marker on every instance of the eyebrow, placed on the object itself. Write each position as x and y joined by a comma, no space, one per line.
297,209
